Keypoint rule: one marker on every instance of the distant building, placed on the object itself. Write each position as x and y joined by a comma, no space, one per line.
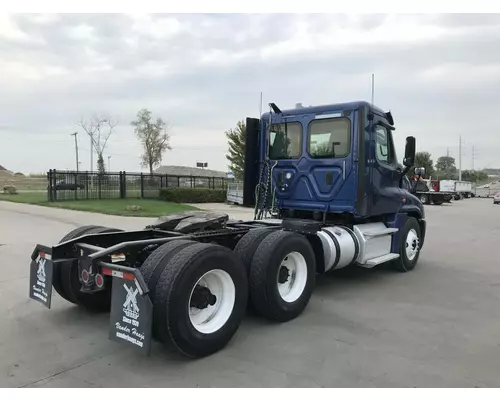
177,170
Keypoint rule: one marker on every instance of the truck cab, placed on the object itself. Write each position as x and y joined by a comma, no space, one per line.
322,162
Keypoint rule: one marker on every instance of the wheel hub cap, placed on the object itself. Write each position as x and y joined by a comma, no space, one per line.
211,301
412,244
202,297
292,277
284,274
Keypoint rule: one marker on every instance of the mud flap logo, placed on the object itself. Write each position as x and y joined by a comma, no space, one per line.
131,315
41,270
41,281
130,307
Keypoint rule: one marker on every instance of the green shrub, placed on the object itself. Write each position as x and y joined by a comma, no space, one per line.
195,195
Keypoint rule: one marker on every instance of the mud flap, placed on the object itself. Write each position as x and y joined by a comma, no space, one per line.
131,317
41,273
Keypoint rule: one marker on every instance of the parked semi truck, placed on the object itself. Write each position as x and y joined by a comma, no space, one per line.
328,193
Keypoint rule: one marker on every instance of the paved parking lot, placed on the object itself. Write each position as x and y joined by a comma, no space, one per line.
436,326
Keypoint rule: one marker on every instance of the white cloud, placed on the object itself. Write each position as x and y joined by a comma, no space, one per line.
203,72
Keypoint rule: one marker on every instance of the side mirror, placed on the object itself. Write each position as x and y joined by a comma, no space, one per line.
420,171
409,152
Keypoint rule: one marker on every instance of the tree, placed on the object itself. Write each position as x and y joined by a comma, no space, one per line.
445,167
99,129
236,156
154,138
422,160
474,176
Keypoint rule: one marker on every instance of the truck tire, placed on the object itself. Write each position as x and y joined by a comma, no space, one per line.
97,302
409,249
56,280
198,322
154,265
246,247
274,292
424,199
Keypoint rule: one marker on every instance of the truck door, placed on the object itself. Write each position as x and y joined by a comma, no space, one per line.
321,177
385,171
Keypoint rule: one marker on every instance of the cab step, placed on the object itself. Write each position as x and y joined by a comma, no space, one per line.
386,231
380,260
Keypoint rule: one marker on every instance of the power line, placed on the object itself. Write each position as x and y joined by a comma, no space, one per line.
474,156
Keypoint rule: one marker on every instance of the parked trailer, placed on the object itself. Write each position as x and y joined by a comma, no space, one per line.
459,189
187,279
463,189
234,193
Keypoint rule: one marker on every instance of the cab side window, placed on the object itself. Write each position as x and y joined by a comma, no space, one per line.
383,145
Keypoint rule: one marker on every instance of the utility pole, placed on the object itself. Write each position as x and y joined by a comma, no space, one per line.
109,164
460,158
76,149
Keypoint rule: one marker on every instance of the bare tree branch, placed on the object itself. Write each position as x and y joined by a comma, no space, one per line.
99,128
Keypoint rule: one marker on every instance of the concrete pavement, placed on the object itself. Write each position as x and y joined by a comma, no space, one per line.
436,326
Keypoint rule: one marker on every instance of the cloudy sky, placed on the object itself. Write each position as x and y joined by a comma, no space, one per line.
438,74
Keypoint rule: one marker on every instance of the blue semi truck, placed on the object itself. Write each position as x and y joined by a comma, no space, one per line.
328,193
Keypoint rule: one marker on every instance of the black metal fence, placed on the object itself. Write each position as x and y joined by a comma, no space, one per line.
72,185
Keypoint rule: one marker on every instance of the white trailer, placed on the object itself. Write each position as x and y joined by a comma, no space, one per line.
459,189
235,193
447,186
463,189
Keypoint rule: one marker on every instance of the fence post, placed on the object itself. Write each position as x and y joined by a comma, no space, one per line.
124,184
120,184
191,177
99,178
49,185
76,187
54,184
142,186
86,185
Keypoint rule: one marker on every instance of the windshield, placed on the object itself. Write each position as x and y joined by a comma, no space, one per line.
285,141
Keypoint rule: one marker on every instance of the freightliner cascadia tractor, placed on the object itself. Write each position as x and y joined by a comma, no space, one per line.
328,193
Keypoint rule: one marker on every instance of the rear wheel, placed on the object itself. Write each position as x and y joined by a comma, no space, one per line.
59,266
154,265
99,301
200,299
282,276
424,199
246,247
